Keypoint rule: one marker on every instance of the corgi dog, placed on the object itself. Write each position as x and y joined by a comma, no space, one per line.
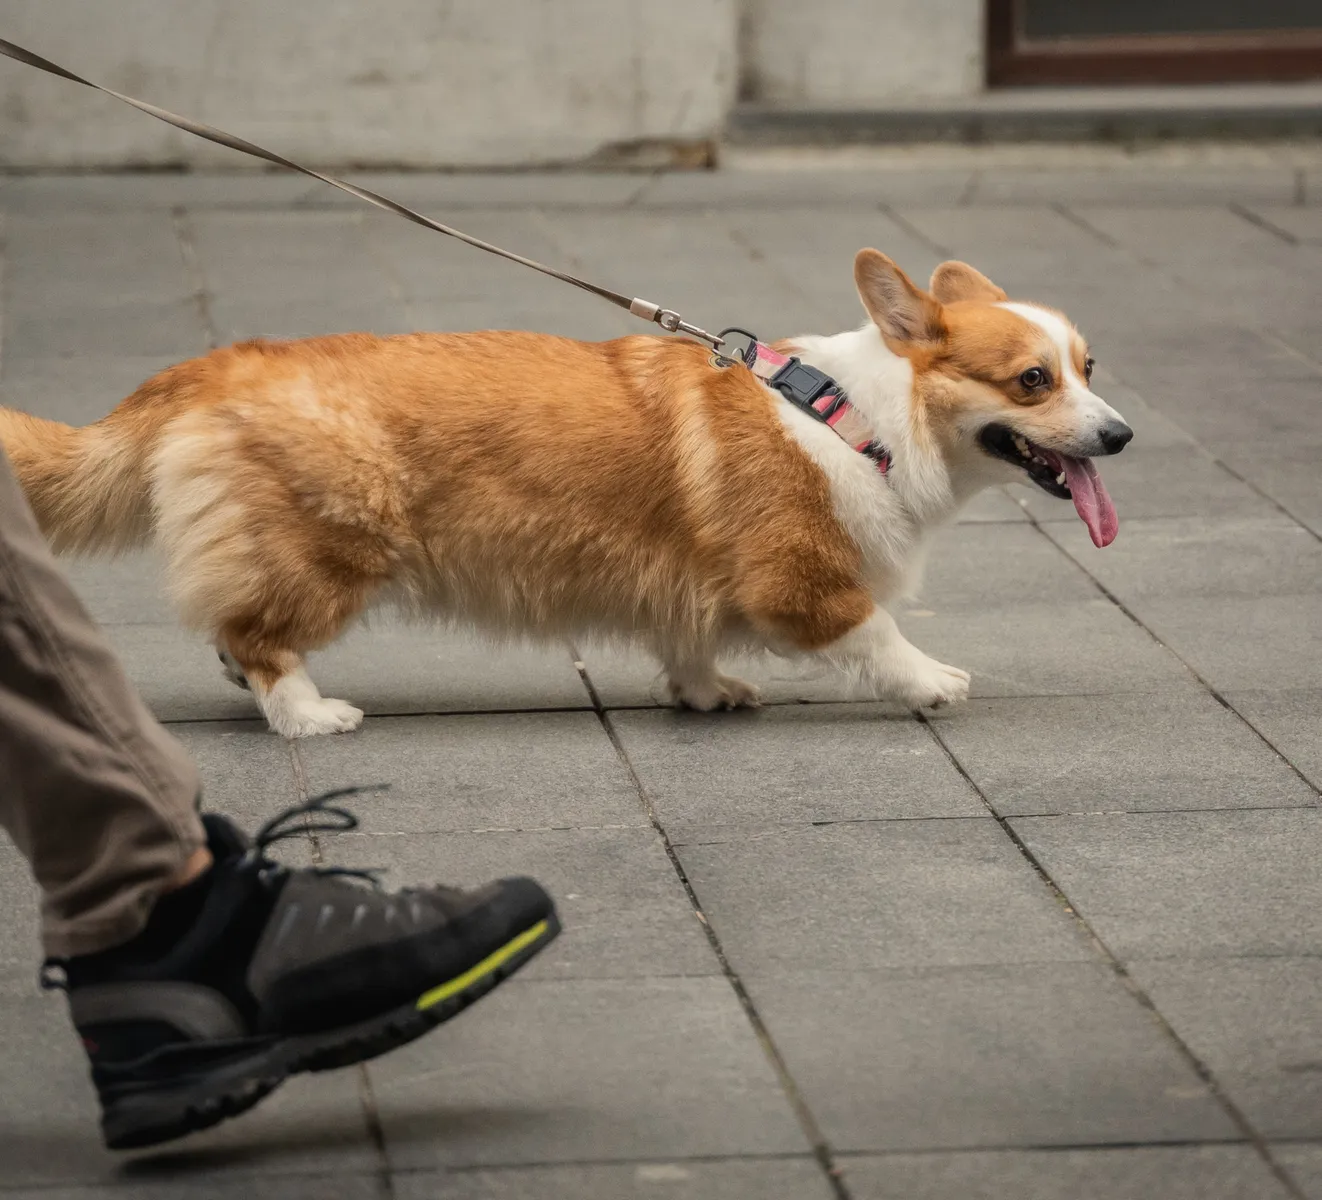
642,489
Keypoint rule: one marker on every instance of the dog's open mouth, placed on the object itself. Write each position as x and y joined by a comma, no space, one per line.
1062,475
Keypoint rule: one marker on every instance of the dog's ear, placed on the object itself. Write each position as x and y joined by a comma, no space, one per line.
903,312
955,280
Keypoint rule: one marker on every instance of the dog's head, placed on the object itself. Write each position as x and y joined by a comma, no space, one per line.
1004,386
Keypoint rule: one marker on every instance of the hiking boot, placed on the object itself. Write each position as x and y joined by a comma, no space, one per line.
256,971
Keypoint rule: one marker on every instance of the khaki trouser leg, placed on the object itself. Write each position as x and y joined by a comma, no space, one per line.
98,798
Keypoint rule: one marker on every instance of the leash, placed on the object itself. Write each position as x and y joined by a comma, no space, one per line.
668,319
809,390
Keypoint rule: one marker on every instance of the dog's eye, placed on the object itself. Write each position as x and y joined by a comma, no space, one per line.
1088,365
1034,377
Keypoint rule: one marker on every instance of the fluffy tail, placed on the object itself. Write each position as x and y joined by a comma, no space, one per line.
89,486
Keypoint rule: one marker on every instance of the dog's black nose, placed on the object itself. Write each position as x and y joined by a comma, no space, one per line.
1115,436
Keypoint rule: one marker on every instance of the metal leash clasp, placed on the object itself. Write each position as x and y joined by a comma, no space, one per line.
671,321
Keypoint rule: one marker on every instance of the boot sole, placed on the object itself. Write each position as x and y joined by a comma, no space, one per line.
148,1118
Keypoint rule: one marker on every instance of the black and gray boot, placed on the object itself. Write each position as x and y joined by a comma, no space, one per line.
256,972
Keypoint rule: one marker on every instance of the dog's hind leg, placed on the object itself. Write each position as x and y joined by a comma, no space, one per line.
694,682
230,668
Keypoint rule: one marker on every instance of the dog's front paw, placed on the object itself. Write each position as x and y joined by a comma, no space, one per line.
312,718
932,684
719,691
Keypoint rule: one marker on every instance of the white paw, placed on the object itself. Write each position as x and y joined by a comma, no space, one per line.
718,691
930,684
313,717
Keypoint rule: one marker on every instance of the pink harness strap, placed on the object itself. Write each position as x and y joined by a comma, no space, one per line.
824,398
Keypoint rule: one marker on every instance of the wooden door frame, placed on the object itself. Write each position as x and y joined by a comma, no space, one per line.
1276,56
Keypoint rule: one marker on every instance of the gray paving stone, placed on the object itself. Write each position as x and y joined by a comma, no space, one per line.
581,318
1153,430
771,766
877,895
107,327
680,260
48,1117
1256,1024
77,389
425,266
516,771
1201,556
1304,224
71,260
1120,1173
247,772
623,909
1286,473
286,256
975,568
20,946
594,1070
1141,184
115,194
744,1179
804,188
1241,643
105,284
815,257
129,590
1196,885
264,319
432,192
1159,482
1304,1162
633,679
657,1070
1291,721
299,1187
1023,249
1202,385
293,275
390,667
994,506
1085,648
1027,1055
178,674
1074,754
1246,271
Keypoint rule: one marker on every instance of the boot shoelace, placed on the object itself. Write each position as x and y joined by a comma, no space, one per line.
321,816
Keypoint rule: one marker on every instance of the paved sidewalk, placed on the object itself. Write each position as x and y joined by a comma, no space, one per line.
1063,943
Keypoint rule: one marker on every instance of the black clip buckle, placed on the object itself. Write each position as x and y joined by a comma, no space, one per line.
800,384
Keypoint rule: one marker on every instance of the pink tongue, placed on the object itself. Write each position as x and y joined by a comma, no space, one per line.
1091,501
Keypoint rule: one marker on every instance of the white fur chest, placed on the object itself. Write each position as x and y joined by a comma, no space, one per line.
864,499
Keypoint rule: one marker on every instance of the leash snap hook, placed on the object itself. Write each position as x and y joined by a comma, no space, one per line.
671,321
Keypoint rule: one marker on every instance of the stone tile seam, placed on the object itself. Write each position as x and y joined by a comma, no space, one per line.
1121,972
1271,339
822,1150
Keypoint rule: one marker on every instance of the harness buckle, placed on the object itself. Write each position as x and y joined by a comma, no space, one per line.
801,384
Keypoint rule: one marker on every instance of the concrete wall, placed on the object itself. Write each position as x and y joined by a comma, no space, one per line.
455,83
370,82
860,53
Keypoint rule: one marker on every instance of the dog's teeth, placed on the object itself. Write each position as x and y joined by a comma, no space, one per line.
1038,459
1021,444
1060,478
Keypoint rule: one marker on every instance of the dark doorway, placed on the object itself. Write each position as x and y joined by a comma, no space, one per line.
1062,42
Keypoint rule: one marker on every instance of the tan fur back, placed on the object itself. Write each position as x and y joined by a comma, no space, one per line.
527,483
